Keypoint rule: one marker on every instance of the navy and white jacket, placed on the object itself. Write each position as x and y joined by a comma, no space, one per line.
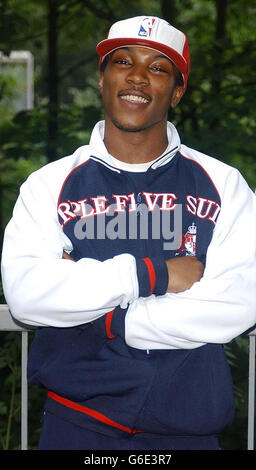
117,353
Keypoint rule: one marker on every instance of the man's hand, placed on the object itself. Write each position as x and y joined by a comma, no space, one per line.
67,256
183,273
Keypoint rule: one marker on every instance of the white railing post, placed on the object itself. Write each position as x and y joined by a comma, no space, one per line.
24,391
7,324
251,393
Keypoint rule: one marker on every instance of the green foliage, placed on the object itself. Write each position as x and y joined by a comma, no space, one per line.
10,396
216,116
235,436
10,390
8,90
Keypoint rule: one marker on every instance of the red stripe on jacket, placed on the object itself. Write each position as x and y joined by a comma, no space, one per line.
151,273
88,411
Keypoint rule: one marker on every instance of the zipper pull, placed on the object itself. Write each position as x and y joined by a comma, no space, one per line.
138,202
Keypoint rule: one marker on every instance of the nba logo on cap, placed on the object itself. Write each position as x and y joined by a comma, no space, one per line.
152,32
146,27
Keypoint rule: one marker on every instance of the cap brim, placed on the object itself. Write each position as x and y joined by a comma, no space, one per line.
109,45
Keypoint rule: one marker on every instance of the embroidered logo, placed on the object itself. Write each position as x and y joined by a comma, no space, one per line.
188,246
146,27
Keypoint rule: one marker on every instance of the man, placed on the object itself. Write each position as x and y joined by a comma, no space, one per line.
129,338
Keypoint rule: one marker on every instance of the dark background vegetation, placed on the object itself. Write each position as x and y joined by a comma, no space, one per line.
216,116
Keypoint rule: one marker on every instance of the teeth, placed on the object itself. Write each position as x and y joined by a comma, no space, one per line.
131,98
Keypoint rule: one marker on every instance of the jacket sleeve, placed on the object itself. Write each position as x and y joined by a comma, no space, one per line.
42,289
223,304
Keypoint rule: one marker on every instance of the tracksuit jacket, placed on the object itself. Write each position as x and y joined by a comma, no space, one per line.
116,352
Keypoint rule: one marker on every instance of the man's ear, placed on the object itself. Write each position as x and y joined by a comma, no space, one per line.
101,82
176,96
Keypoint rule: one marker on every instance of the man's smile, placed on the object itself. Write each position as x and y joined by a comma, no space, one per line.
133,96
134,99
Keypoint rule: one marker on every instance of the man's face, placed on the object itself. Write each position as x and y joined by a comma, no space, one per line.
138,87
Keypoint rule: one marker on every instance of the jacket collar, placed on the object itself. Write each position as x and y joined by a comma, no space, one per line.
101,154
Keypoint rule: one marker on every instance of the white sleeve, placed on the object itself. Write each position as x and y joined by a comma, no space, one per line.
43,289
223,304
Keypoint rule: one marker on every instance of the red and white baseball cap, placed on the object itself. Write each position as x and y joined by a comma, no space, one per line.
152,32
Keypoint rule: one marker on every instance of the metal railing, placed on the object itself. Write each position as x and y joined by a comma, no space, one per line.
7,324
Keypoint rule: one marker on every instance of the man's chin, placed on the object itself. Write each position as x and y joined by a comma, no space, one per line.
130,128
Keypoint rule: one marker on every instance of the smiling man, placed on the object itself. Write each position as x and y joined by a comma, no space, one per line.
138,87
130,324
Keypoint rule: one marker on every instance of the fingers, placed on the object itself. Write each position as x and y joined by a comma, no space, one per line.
65,255
183,273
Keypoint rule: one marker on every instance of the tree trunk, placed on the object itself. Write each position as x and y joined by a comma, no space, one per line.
1,216
218,57
52,79
169,11
219,43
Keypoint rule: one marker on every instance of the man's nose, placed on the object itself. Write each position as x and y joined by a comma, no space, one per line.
138,75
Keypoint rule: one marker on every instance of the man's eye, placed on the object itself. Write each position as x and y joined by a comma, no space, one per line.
157,68
121,61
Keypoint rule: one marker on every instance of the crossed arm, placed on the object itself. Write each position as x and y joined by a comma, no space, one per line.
211,305
183,272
